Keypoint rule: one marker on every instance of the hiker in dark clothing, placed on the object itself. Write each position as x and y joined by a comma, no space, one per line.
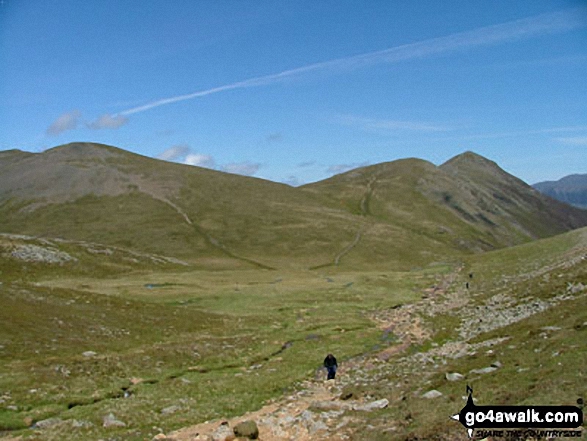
331,365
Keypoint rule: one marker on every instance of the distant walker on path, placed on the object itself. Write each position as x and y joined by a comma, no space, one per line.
331,365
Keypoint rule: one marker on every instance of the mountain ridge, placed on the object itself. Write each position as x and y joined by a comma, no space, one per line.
571,189
401,213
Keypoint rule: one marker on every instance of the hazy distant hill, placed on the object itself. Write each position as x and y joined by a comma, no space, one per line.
396,214
570,189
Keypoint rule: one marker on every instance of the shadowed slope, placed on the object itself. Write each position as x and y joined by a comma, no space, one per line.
469,202
507,204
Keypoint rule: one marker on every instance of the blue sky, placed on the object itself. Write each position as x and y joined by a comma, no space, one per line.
295,91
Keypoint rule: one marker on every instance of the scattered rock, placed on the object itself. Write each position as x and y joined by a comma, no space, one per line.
78,424
313,426
89,354
486,370
50,422
432,394
35,253
374,405
496,364
223,433
322,406
111,421
247,429
574,288
454,376
550,328
169,410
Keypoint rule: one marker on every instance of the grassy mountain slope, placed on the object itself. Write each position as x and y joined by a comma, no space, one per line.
401,214
102,194
504,201
467,203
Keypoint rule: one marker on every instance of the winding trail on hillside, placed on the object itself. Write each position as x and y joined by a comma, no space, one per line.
317,411
365,211
348,248
209,238
366,200
321,410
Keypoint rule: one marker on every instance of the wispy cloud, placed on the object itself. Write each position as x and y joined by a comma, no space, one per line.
550,23
71,120
183,153
174,153
242,168
108,122
515,134
374,124
67,121
200,160
575,140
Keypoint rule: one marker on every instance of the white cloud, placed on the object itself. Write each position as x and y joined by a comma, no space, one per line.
67,121
183,153
575,140
108,122
200,160
549,23
174,153
242,168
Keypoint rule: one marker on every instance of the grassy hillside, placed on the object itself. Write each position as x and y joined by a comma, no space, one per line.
503,200
402,215
524,316
467,203
93,192
161,346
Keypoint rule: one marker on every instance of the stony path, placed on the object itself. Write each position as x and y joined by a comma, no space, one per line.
287,419
319,411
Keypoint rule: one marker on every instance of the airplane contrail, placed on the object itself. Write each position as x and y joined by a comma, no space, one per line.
549,23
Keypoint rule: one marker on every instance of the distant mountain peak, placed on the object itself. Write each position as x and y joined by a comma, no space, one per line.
469,158
571,189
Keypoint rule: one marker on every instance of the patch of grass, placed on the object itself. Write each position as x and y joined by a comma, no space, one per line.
215,344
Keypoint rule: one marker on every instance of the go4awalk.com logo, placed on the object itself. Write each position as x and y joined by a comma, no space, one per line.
516,421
